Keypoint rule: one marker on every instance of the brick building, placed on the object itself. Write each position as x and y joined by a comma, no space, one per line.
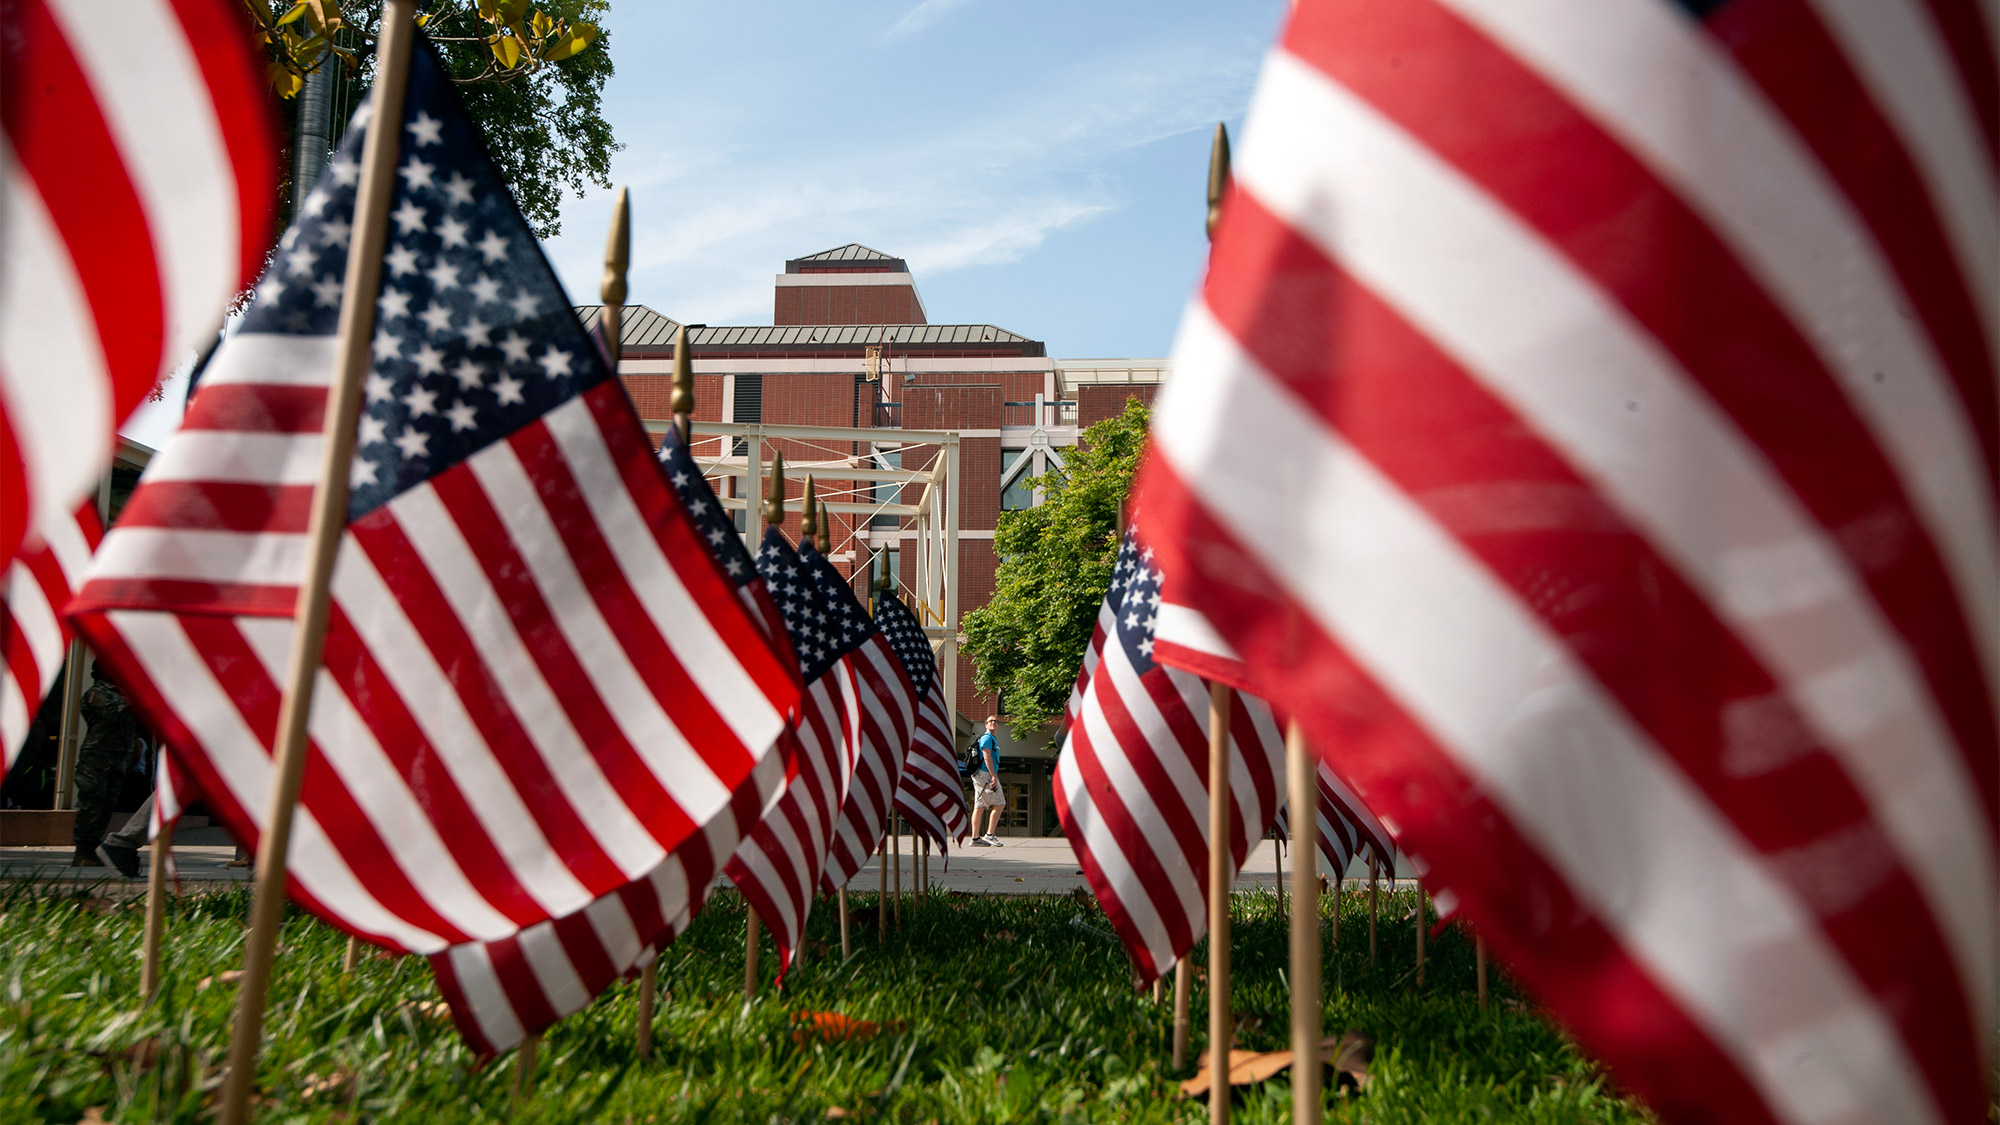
850,345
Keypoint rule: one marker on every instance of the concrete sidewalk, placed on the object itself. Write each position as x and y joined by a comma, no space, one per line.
1020,866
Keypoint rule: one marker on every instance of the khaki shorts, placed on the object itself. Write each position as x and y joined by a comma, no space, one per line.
984,798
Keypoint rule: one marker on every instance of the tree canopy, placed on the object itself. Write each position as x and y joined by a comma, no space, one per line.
531,75
1055,562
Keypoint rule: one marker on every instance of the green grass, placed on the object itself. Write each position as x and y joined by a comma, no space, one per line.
1015,1009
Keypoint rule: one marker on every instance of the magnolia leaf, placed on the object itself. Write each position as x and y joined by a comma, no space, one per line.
577,38
298,12
489,10
540,25
283,82
322,16
511,11
507,49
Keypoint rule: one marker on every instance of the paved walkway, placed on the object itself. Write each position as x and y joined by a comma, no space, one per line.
1020,866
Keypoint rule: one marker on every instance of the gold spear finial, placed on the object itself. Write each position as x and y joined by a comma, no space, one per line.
825,530
883,582
1218,176
617,255
683,400
774,497
806,514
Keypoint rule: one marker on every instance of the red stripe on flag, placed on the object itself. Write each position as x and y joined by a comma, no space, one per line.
544,642
218,36
495,725
256,697
207,505
1784,48
76,167
1436,432
257,408
1616,222
350,664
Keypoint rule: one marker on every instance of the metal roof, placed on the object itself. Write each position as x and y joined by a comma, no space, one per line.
851,256
643,328
640,327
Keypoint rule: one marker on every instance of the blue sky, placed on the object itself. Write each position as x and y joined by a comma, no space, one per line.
1041,166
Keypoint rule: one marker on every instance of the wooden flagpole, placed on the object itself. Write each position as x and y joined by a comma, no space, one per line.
1479,960
1183,984
750,947
1423,931
156,910
1278,863
1374,867
327,522
611,331
1220,1025
1305,975
1221,1028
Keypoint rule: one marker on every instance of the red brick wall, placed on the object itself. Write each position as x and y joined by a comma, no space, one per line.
847,304
1097,401
968,408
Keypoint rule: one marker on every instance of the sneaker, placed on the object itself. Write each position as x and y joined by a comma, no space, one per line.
980,842
992,841
126,860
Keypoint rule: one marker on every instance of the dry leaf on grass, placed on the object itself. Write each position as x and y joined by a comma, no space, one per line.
1348,1055
837,1027
94,1115
335,1085
226,976
427,1009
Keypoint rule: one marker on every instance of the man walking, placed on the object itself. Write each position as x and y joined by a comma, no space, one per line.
988,795
101,764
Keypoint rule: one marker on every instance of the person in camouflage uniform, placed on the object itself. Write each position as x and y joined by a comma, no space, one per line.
108,745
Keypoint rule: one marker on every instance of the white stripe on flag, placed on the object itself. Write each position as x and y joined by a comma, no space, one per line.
1537,734
1542,338
170,142
427,525
652,734
202,556
378,789
63,425
700,650
272,359
233,456
439,712
1645,72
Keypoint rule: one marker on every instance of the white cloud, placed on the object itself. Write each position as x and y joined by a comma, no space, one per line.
709,231
923,15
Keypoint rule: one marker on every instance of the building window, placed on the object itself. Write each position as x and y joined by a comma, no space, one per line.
1019,491
747,406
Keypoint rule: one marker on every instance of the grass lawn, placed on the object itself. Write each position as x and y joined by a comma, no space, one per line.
1011,1009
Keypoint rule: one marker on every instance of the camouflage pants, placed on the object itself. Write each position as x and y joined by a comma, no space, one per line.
100,774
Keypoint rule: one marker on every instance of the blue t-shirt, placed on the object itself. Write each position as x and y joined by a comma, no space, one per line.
989,746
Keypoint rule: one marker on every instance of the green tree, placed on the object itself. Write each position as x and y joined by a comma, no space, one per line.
531,75
1055,562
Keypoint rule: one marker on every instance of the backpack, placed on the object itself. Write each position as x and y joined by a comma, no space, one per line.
973,762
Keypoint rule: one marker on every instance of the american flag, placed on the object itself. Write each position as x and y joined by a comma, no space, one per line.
778,866
931,796
502,991
33,633
537,685
1346,828
137,177
1623,524
1131,782
880,712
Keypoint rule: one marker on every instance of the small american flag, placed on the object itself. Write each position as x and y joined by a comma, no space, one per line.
931,796
779,865
501,991
537,684
1623,522
33,632
1131,782
880,712
136,195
